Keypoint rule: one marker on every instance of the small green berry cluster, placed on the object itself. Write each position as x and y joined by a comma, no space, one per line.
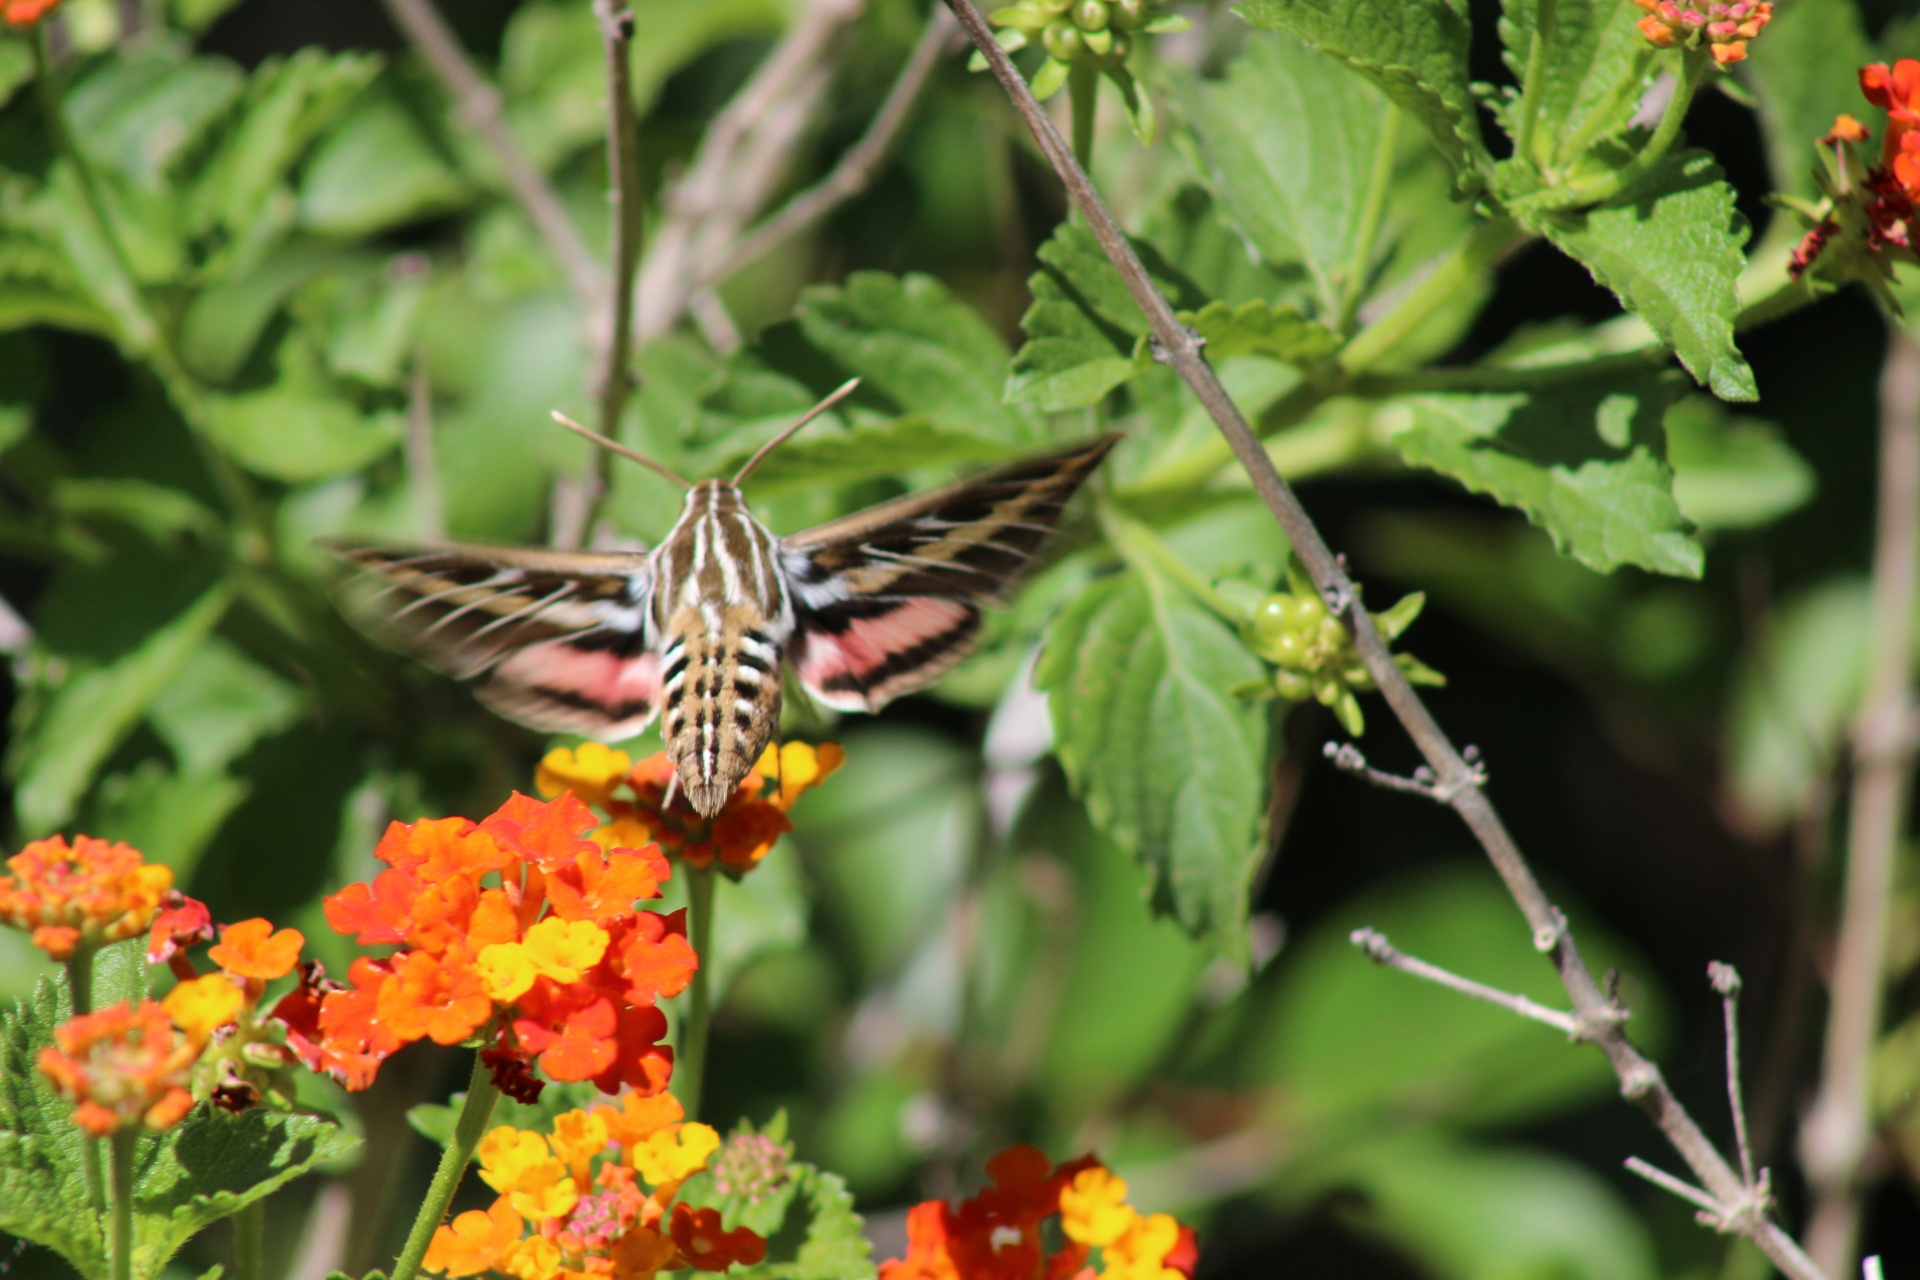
1309,648
1098,34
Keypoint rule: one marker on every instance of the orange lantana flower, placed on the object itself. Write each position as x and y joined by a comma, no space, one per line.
635,800
24,13
997,1235
124,1065
85,894
519,929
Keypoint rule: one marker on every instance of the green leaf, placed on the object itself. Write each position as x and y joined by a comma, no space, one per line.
300,428
1288,143
1414,50
1806,72
220,703
805,1213
1587,83
139,112
869,451
1260,329
89,715
1671,251
1469,1212
1085,335
43,1193
435,1121
1138,675
1583,458
16,68
910,339
162,514
214,1164
1733,473
375,172
169,815
1355,1047
223,324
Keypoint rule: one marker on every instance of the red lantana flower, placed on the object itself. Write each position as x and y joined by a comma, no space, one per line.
519,929
1865,222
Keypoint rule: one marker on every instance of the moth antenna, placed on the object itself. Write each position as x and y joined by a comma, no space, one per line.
841,393
614,446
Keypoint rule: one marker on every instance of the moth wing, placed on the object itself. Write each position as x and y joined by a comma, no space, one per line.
888,599
556,640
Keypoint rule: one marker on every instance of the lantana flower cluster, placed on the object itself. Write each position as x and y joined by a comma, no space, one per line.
85,894
517,928
1724,26
635,799
594,1197
999,1234
1865,223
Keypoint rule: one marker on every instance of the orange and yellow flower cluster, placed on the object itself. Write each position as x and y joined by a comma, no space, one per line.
1869,211
518,928
1724,26
125,1065
594,1198
635,799
86,894
998,1234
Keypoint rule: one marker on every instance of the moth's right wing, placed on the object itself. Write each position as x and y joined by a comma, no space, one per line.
557,640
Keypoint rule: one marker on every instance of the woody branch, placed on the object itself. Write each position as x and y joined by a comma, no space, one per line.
1180,347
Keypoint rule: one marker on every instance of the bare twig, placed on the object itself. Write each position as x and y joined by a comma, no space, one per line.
1726,980
1180,347
477,105
742,157
1380,951
1347,758
1834,1137
1685,1190
856,168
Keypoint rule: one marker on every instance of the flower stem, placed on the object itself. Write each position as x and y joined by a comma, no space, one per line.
1473,255
124,1145
249,1229
1083,96
79,969
467,1128
1610,185
1373,207
690,1069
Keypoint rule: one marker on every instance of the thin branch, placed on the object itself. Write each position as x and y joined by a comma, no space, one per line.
1686,1191
1347,758
1834,1137
1382,952
477,105
856,168
1726,980
1180,347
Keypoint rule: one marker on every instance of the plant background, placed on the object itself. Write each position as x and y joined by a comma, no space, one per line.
916,983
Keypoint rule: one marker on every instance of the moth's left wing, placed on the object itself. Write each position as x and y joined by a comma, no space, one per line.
887,599
557,640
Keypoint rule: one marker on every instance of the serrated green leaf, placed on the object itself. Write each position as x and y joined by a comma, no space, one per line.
87,717
1670,250
43,1191
1585,460
910,339
805,1213
1085,336
1587,85
1260,329
301,427
1288,143
220,703
1807,71
376,171
1415,51
1137,675
1731,472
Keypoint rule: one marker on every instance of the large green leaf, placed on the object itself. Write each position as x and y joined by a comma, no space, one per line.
1671,251
911,340
87,717
1414,50
220,703
1806,72
1732,473
870,451
302,427
224,323
1585,83
1288,141
377,171
142,110
1584,458
1137,677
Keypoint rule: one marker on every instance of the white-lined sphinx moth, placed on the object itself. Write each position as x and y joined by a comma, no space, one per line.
698,630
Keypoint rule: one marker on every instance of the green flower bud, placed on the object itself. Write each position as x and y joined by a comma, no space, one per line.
1129,14
1063,40
1292,685
1272,616
1091,15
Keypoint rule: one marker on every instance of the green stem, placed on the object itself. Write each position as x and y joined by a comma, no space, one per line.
467,1128
79,969
123,1147
1298,449
249,1229
1083,96
1475,254
1139,545
690,1066
1608,186
1789,297
1606,109
1373,209
1545,16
